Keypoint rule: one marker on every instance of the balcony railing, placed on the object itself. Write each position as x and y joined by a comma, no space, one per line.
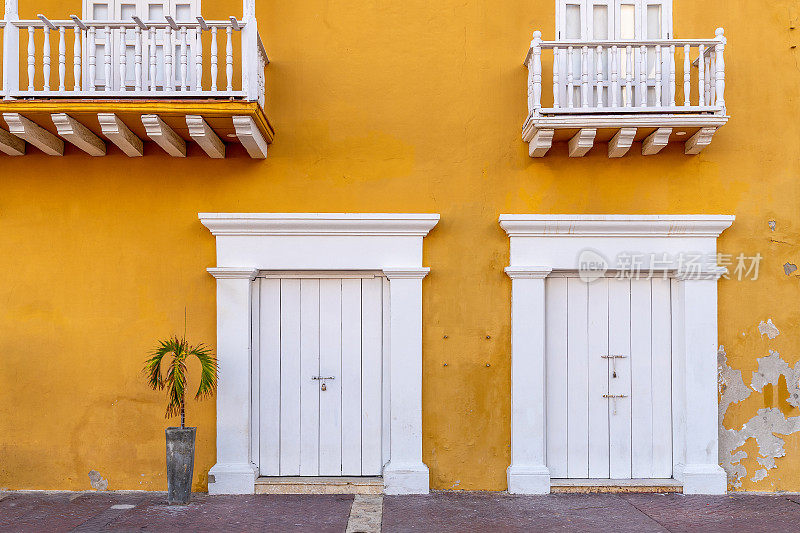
74,58
624,91
629,76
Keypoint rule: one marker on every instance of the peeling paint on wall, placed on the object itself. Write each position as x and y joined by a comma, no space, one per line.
789,268
97,481
768,328
731,390
769,423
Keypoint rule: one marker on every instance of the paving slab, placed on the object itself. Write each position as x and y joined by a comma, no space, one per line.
150,512
490,512
734,512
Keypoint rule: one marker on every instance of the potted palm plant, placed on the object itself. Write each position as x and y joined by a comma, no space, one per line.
180,440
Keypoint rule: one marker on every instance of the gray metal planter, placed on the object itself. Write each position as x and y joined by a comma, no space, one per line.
180,464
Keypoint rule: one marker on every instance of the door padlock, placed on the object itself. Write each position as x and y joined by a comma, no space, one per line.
323,387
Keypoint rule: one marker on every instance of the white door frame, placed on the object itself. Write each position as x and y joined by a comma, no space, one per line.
542,244
248,243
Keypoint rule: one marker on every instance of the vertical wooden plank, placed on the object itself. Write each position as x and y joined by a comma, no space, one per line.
619,337
309,368
598,379
351,377
556,371
371,375
577,379
678,377
662,379
290,377
270,378
385,391
255,373
330,409
641,380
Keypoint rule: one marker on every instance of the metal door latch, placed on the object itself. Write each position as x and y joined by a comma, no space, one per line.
613,359
615,397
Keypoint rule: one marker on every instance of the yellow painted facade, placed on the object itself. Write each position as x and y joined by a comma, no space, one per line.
377,106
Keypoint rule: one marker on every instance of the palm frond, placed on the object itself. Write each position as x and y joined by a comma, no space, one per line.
208,371
176,385
152,367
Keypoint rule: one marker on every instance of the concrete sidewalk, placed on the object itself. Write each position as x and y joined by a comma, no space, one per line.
439,513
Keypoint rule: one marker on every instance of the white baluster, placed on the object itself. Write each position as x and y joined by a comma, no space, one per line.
46,59
672,76
643,76
31,58
198,60
687,77
184,60
107,59
659,78
123,61
720,68
701,72
614,76
712,89
570,78
585,76
214,58
599,53
229,58
629,75
91,51
152,50
169,84
137,60
556,78
535,74
76,59
62,58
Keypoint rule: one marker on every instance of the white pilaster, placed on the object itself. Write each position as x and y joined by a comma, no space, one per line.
234,472
10,49
405,473
702,473
250,64
528,473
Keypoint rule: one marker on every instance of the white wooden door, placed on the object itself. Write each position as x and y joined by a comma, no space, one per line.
318,341
147,11
609,378
600,20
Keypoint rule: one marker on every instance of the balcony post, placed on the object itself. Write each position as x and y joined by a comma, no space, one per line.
719,49
535,75
10,49
250,60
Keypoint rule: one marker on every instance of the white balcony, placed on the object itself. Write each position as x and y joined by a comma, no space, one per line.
625,91
125,81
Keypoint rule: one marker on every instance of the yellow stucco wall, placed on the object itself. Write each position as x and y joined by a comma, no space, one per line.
379,106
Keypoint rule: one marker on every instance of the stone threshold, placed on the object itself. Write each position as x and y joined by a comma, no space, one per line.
319,485
587,486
